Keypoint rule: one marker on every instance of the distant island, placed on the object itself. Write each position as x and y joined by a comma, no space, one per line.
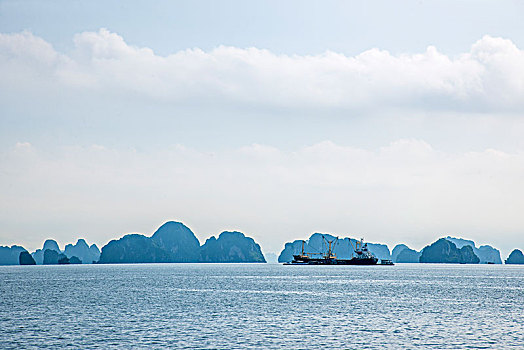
403,254
448,250
79,253
174,242
444,251
51,254
516,257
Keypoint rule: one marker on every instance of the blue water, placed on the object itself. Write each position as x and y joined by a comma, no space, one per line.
239,306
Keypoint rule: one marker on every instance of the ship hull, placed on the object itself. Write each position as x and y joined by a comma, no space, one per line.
333,261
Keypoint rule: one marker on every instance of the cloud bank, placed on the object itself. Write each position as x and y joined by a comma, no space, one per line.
405,191
490,77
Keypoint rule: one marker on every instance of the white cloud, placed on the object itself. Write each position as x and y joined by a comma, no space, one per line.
407,190
489,77
23,146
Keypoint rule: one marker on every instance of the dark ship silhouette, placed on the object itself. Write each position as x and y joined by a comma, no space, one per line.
362,256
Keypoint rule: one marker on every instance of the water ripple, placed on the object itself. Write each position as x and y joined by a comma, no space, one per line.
243,306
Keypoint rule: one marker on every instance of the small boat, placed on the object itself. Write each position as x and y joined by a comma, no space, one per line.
386,262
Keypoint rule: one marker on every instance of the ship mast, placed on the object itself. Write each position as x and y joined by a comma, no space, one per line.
330,254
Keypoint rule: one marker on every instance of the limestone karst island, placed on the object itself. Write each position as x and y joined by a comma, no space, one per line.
174,242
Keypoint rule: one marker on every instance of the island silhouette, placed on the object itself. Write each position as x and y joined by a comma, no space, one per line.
174,242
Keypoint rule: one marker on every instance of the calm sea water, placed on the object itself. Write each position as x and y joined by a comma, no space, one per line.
239,306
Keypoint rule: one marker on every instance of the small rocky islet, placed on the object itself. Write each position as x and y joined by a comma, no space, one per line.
174,242
516,257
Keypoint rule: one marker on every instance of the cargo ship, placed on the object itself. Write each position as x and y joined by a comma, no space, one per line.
362,256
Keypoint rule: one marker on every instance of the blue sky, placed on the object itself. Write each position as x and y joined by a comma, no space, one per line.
292,27
397,121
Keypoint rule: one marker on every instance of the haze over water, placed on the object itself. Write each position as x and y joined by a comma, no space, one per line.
233,306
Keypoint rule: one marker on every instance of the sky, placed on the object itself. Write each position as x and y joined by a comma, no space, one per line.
399,122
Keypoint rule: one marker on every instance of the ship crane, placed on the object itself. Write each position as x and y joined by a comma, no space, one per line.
303,254
331,246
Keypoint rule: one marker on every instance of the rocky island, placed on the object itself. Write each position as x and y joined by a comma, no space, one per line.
445,251
516,257
10,255
78,253
82,252
441,252
231,247
487,254
403,254
133,248
174,242
26,259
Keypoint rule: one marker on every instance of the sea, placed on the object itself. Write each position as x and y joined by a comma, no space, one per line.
262,306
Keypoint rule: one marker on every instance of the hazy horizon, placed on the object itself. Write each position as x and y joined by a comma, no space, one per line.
504,253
